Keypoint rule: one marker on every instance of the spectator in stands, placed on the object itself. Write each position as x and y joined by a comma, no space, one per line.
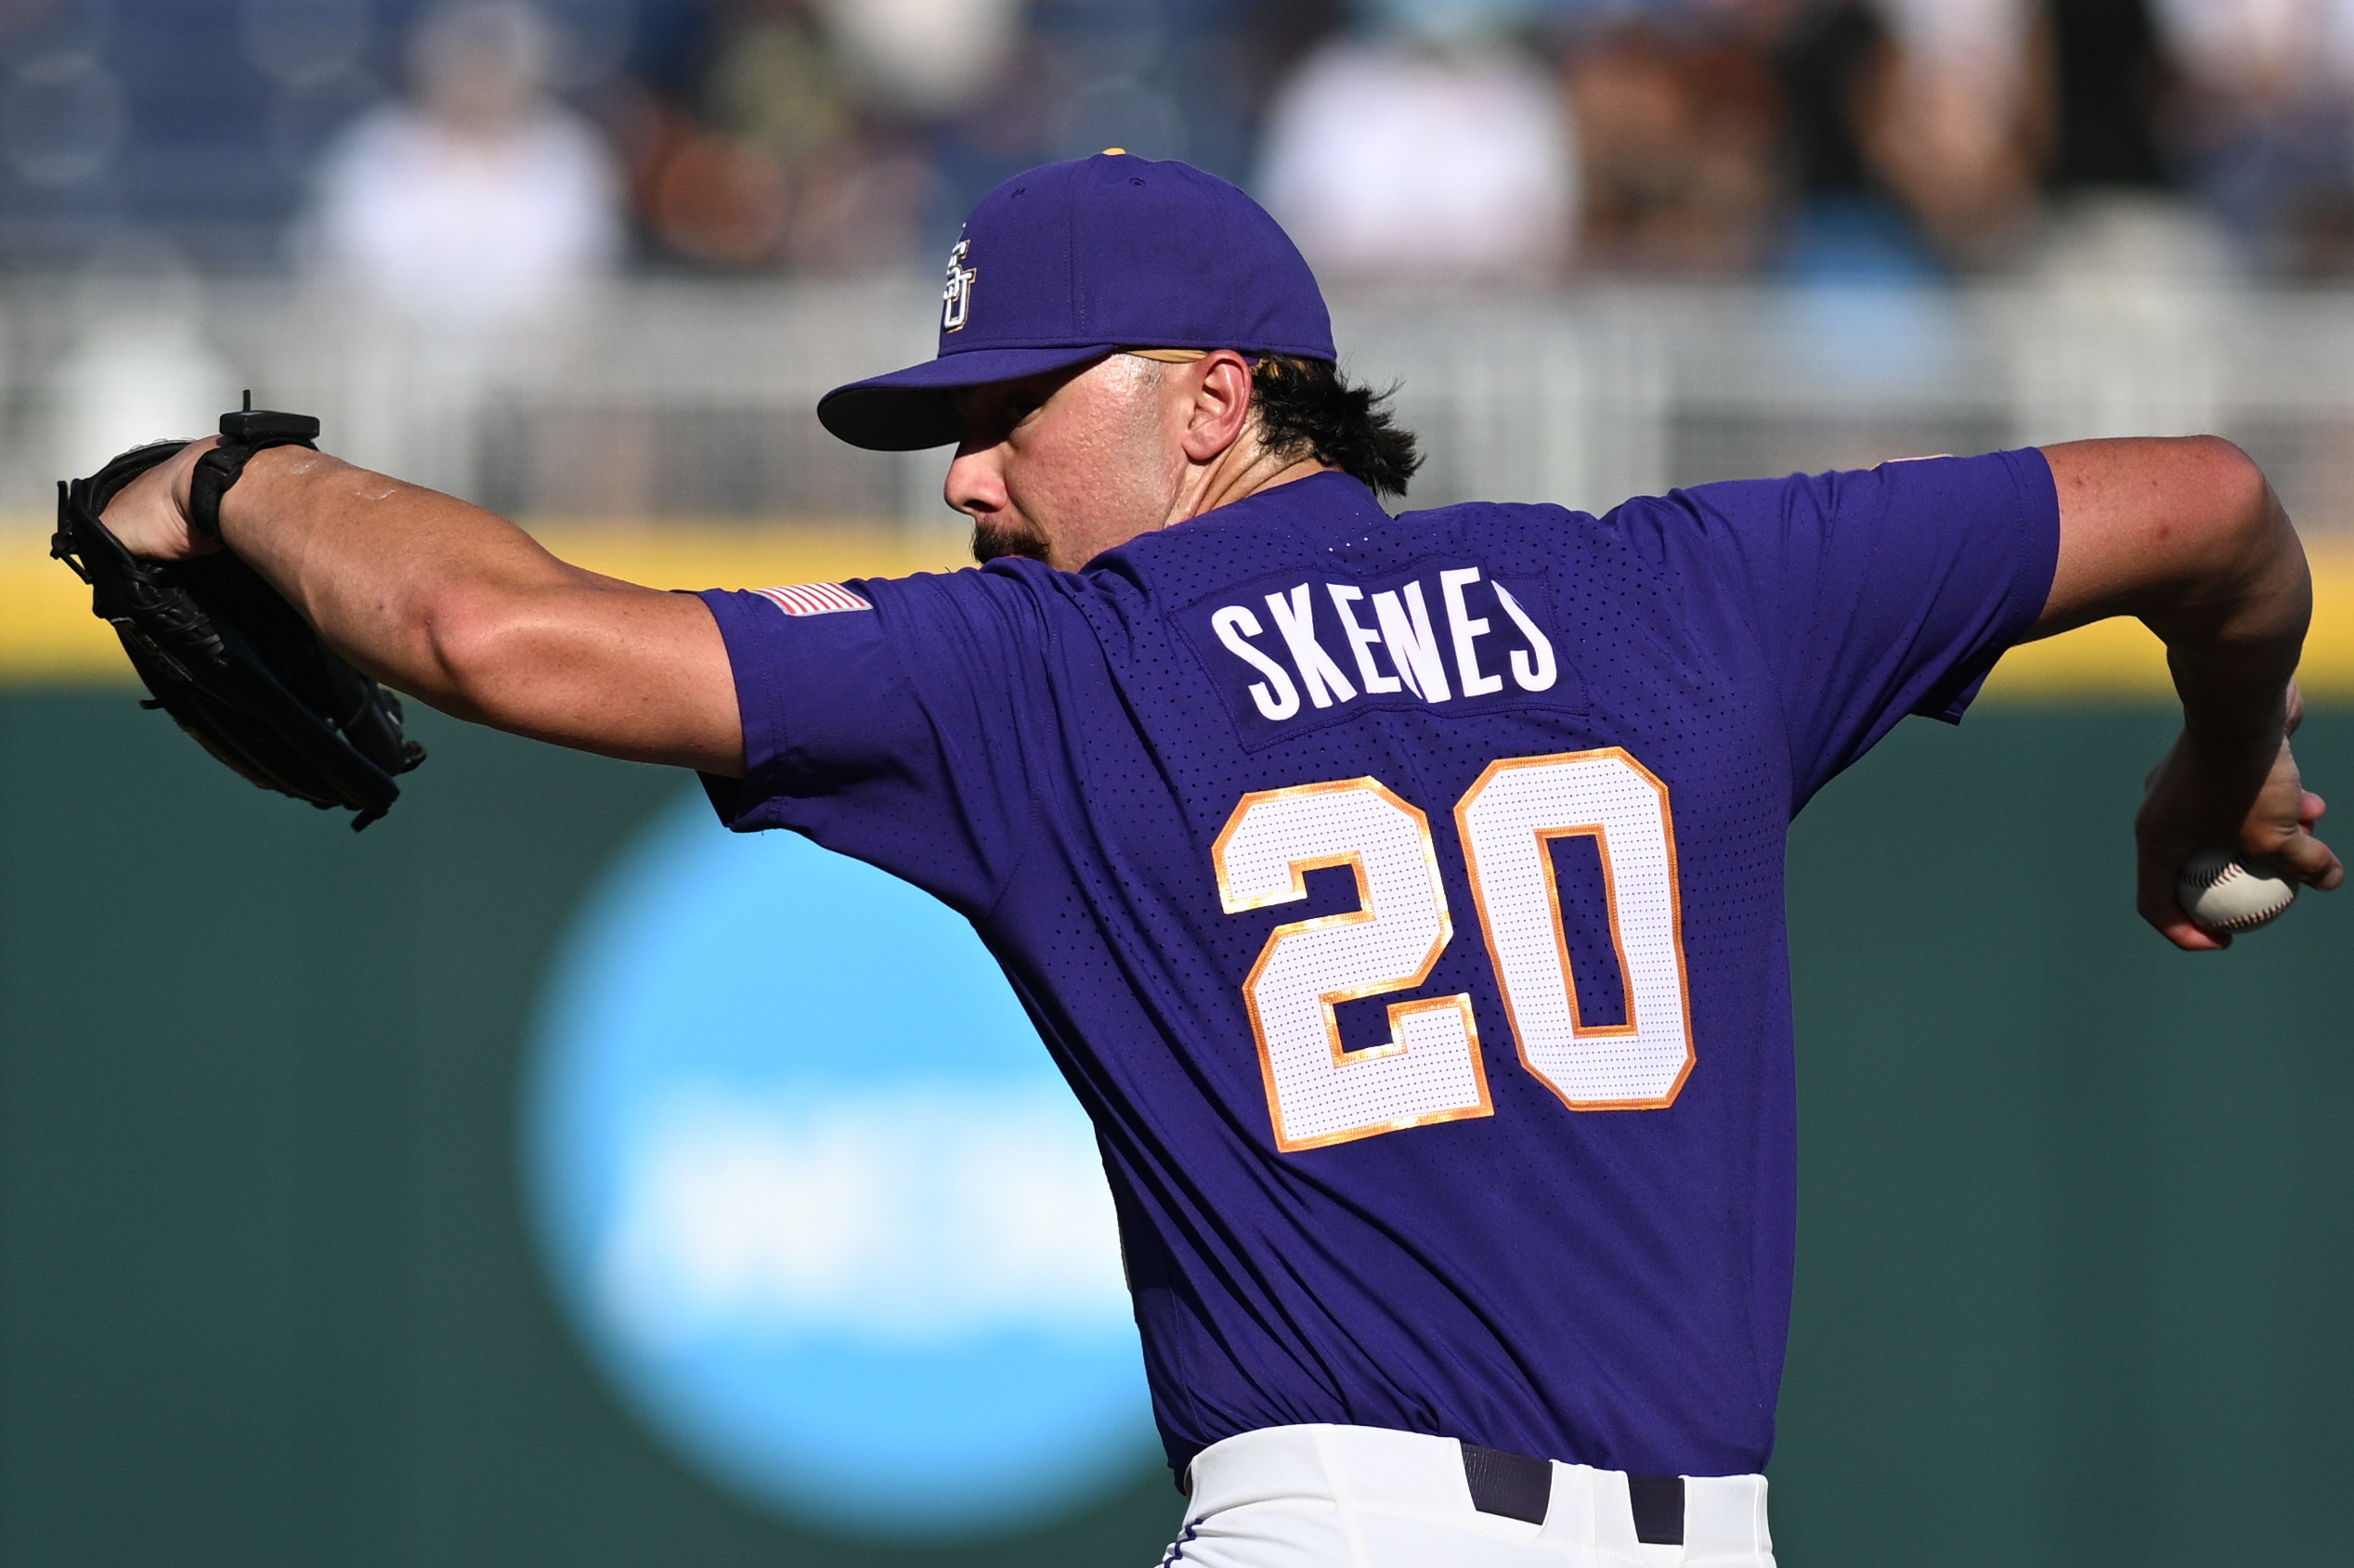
1430,143
1832,58
1677,120
1915,132
800,141
2119,215
1951,122
2269,125
2113,77
761,97
480,200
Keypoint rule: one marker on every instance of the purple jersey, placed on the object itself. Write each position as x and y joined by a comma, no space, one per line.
1402,898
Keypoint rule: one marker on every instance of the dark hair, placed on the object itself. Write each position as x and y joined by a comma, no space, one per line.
1306,407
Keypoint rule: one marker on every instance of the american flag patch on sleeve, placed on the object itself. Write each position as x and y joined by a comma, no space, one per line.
813,599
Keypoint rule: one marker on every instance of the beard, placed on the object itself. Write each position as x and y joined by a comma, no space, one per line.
993,543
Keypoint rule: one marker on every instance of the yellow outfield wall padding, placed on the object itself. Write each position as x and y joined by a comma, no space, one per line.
48,637
724,556
2120,658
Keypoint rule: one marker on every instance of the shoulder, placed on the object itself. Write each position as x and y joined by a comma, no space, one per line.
1334,527
1009,608
1015,589
875,646
1900,492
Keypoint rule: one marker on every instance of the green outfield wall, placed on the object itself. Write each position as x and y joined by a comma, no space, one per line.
2076,1282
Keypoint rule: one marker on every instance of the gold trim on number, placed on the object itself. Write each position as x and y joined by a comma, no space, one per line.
1364,915
1552,894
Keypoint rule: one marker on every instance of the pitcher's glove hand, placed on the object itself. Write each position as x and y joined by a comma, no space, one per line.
224,655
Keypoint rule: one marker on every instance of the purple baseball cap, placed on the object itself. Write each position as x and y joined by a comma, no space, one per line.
1072,260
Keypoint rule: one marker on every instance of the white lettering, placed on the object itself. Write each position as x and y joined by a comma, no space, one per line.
1276,696
1539,675
1361,641
1407,643
1295,619
1466,629
1414,646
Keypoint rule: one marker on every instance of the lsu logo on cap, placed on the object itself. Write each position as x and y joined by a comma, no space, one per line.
957,297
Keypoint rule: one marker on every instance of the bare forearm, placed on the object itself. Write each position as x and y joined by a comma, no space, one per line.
2233,643
2187,536
459,607
384,569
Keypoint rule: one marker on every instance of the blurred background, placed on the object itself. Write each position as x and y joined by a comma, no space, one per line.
548,1177
590,259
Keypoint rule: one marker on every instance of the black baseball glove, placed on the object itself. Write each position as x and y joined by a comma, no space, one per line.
224,655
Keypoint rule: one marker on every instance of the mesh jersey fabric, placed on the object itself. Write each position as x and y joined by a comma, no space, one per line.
1057,755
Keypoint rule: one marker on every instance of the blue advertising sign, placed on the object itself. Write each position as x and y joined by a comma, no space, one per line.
816,1200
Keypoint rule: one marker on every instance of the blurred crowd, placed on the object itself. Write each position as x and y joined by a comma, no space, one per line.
472,159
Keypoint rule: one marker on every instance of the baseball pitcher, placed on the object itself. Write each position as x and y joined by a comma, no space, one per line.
1402,896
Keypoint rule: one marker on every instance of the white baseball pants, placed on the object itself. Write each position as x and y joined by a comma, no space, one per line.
1345,1496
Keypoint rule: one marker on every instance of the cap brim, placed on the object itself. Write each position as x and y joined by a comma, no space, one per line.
909,410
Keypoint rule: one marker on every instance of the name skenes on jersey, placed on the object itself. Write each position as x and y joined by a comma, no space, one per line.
1298,653
1402,898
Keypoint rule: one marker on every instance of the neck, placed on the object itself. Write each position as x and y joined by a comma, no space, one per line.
1236,477
1223,481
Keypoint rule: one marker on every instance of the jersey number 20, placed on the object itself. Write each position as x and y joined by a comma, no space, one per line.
1429,1069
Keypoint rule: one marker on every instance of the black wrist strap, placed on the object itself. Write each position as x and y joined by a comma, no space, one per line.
248,431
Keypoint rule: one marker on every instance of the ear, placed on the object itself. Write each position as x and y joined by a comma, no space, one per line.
1220,409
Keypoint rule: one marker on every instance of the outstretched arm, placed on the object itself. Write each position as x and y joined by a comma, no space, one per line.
2187,536
462,609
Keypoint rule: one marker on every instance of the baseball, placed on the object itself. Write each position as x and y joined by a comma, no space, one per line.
2223,892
